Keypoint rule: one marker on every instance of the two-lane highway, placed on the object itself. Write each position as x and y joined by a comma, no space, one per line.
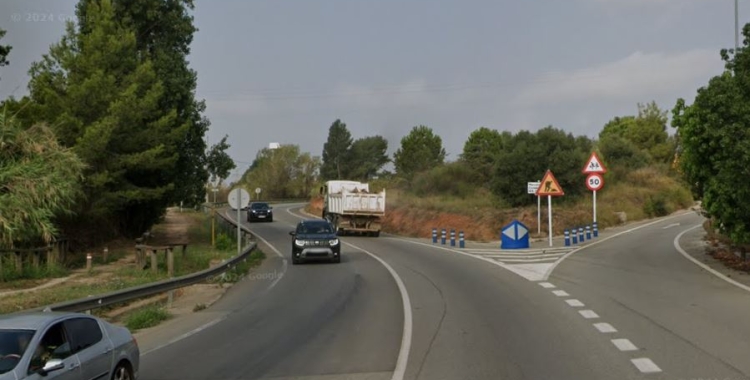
612,311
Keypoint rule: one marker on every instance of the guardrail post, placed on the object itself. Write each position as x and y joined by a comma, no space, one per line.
567,238
35,259
154,261
50,257
596,230
588,232
581,238
574,235
442,238
170,262
18,261
434,235
89,260
453,238
461,242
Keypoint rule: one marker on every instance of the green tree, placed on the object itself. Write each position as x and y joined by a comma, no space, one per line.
105,100
420,150
283,172
367,156
621,155
164,30
40,181
481,150
218,161
647,131
4,51
715,146
336,154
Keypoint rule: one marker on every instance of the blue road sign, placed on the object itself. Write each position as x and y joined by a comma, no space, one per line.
514,236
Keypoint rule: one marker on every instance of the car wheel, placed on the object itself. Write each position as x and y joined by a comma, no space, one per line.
270,220
295,261
122,372
337,259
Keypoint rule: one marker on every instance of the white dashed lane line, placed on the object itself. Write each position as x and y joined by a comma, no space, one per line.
605,328
624,345
546,285
560,293
574,303
645,365
588,314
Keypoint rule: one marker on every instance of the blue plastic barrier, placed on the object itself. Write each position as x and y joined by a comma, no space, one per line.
453,238
434,235
461,242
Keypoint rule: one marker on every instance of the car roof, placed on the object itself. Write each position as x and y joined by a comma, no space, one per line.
314,222
33,321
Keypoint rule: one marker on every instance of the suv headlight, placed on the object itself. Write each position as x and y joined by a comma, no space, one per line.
299,242
333,242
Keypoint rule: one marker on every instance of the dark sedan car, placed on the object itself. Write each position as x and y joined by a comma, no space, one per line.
315,240
258,211
65,346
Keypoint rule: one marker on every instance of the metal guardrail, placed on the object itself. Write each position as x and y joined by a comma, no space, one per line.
94,302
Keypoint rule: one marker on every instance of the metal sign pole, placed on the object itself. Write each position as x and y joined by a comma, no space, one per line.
549,207
239,221
594,206
539,215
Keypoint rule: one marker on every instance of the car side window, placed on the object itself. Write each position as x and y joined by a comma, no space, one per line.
83,333
53,345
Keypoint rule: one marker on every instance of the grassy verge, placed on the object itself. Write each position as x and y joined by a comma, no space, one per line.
643,194
146,317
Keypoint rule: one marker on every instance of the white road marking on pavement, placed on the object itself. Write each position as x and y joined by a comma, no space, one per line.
546,285
588,314
670,226
624,345
605,328
574,303
645,365
556,263
403,355
560,293
187,334
704,266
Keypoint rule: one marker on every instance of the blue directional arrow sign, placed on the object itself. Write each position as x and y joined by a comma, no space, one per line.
514,236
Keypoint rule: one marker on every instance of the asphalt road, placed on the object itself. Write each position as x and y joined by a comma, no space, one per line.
469,319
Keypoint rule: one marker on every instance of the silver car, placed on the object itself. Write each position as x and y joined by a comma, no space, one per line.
65,346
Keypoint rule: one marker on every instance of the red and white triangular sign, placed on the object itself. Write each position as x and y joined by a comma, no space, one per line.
594,165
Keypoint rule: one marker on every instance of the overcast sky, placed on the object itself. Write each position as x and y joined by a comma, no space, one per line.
283,71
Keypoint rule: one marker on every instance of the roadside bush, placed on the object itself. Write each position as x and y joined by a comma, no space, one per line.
655,206
455,179
224,242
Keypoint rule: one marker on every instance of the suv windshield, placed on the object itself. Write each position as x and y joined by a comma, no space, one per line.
13,344
259,206
314,228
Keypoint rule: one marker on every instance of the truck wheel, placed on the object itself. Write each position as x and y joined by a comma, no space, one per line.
376,233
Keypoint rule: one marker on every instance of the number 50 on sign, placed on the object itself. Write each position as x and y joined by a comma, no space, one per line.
594,181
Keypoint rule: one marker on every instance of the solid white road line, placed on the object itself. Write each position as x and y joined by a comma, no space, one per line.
702,265
645,365
605,328
560,293
624,345
588,314
574,303
553,266
403,354
546,285
185,335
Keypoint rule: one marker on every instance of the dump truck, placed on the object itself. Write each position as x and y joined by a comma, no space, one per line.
352,208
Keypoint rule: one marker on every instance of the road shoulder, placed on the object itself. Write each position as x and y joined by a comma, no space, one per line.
695,244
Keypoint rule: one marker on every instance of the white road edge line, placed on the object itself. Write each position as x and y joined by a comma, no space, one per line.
645,365
702,265
185,335
403,354
588,314
624,345
546,285
605,328
560,293
552,268
574,303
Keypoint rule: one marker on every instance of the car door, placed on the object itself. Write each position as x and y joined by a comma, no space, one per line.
93,348
54,344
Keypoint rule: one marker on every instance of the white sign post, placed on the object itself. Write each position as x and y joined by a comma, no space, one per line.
238,199
551,188
531,188
595,179
257,193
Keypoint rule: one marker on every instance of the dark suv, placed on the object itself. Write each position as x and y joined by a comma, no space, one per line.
259,211
314,240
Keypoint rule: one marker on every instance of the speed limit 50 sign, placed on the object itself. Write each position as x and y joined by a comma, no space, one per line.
594,181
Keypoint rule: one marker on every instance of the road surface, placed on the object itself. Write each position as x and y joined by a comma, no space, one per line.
464,318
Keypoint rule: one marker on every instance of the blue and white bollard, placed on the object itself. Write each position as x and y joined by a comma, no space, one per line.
434,235
453,238
574,235
596,230
581,238
567,238
442,237
461,243
588,232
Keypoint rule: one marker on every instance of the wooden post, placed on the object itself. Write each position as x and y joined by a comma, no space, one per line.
105,255
154,261
184,250
35,259
19,261
170,262
50,257
89,261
